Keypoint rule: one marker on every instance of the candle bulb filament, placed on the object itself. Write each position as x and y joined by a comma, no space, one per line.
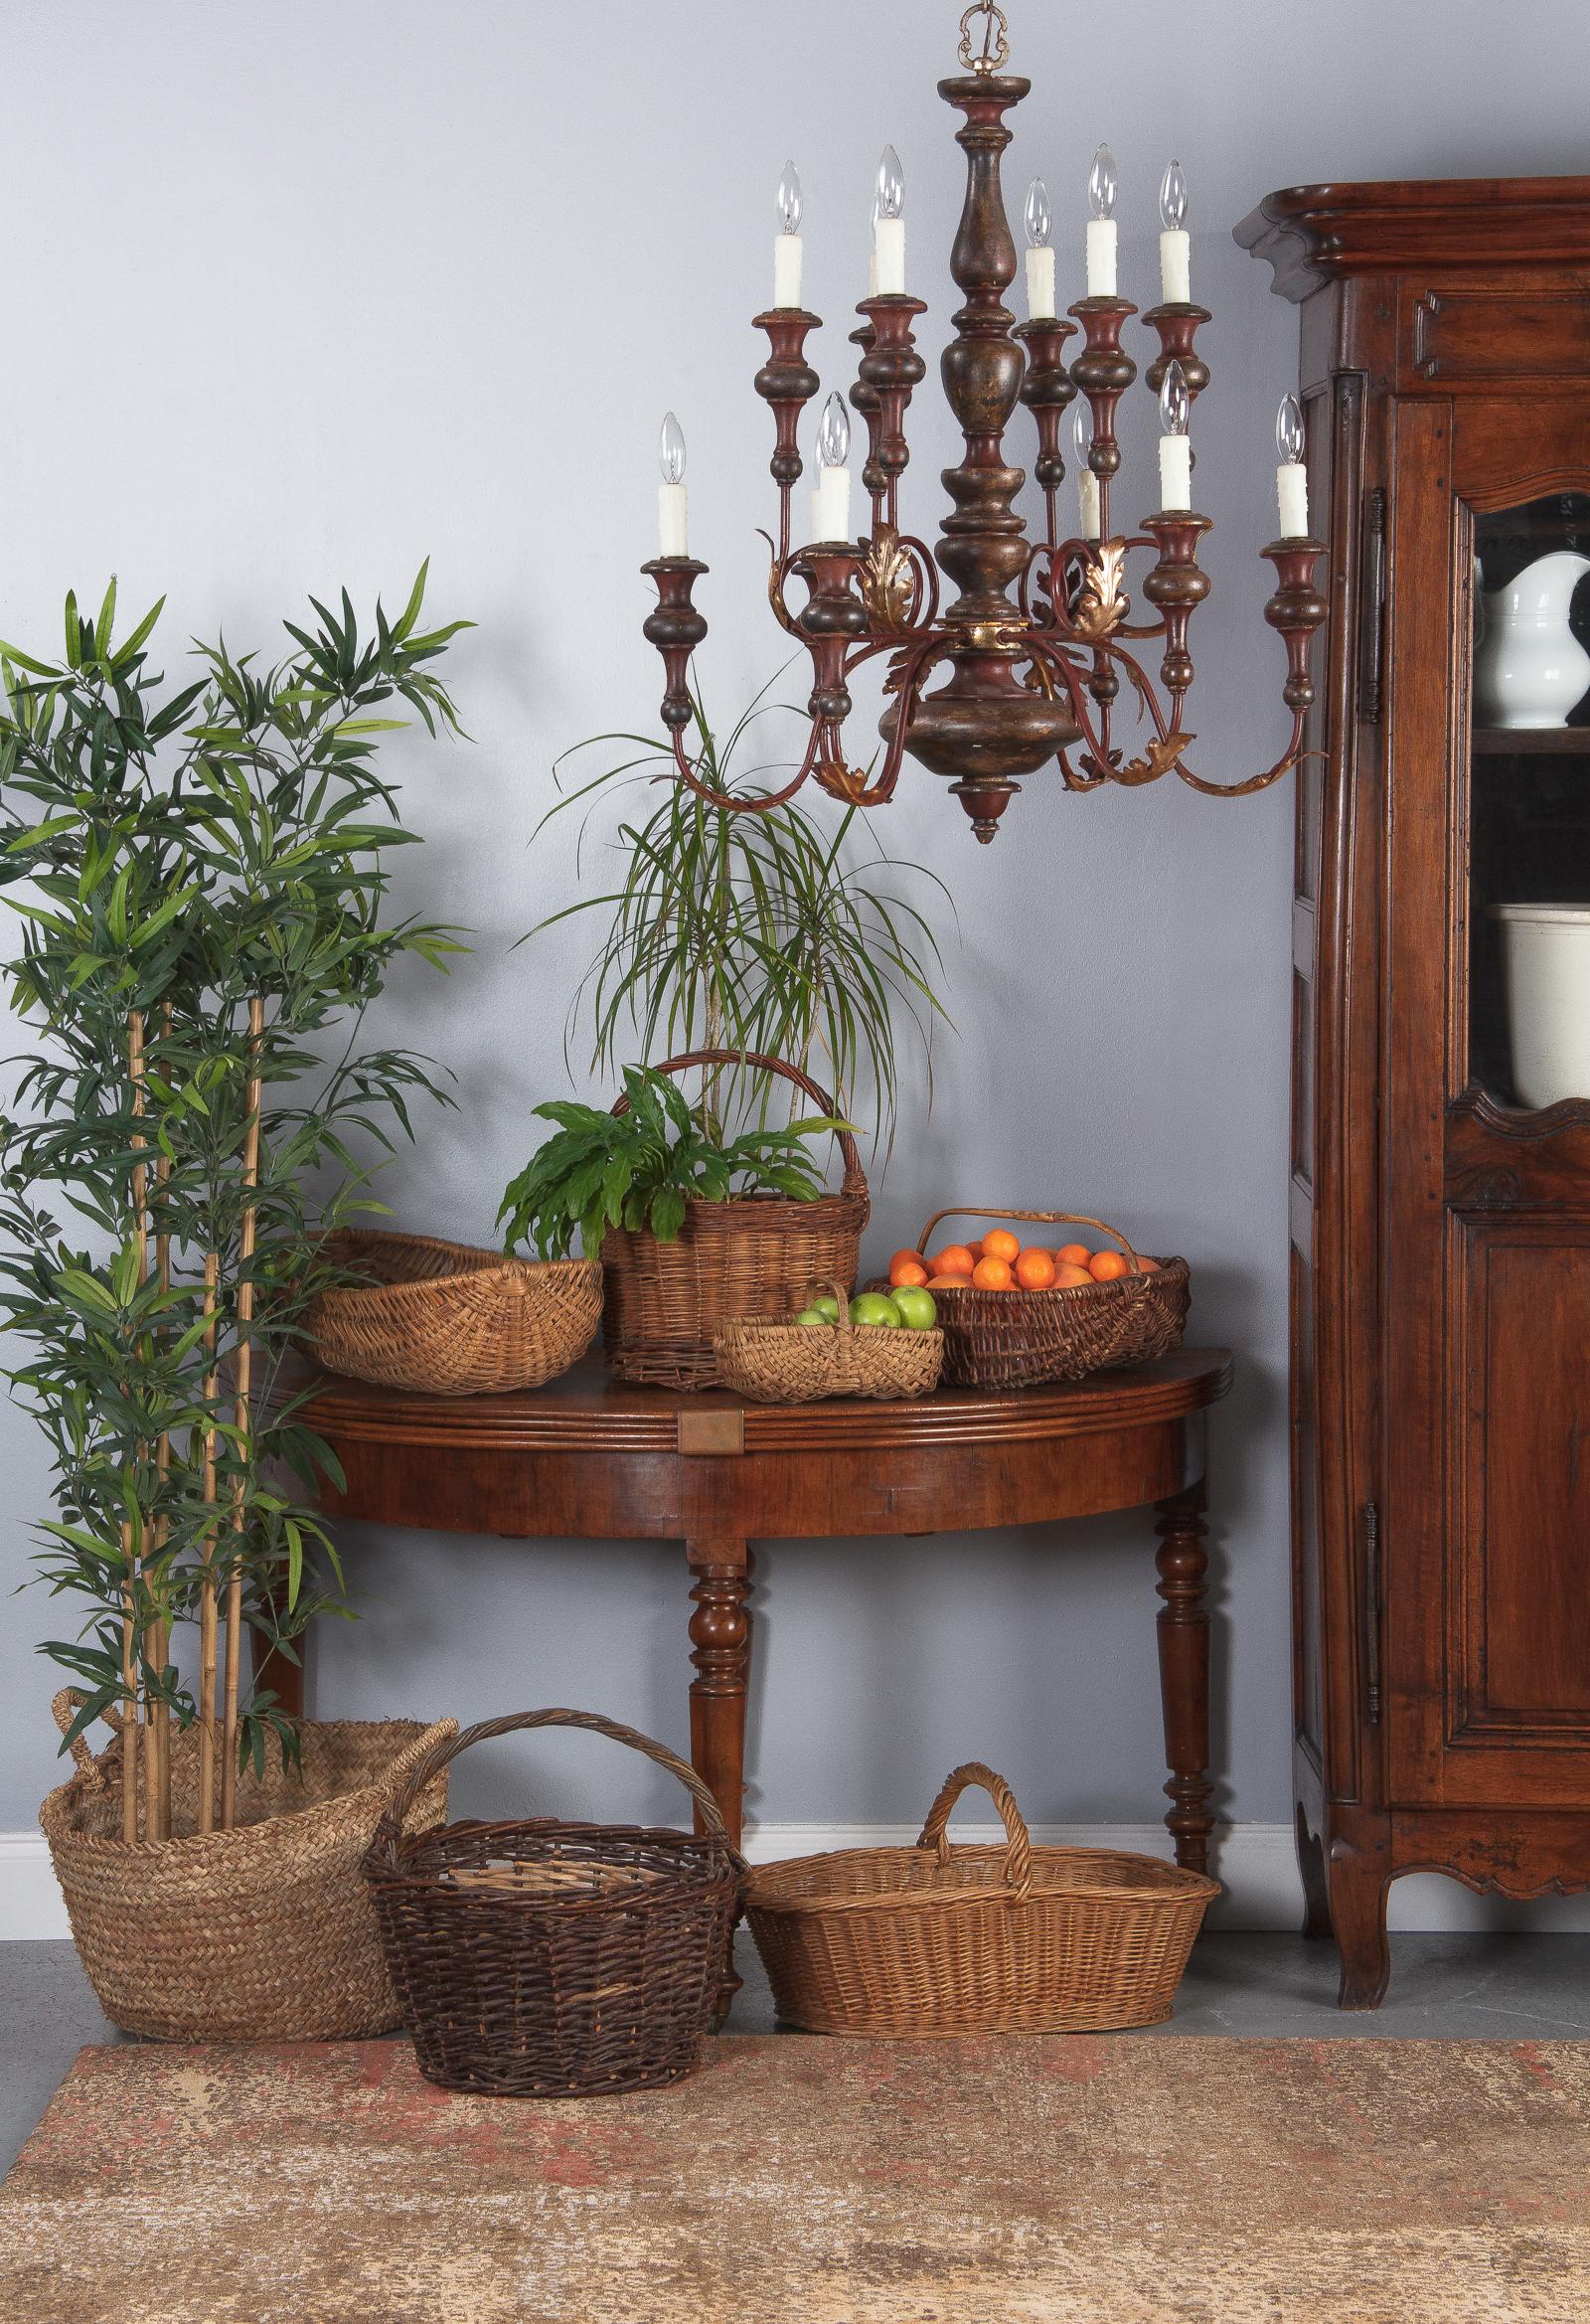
1289,430
1038,223
1082,433
1102,184
1176,405
890,184
671,450
1173,199
834,434
789,200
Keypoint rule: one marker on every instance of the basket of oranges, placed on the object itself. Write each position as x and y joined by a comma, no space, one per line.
1016,1316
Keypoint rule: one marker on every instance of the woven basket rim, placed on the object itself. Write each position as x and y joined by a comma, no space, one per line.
388,1868
700,1211
1172,1883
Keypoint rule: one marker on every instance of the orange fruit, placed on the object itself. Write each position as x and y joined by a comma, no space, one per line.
953,1259
948,1283
1147,1266
993,1274
1073,1255
1107,1266
1035,1270
905,1259
1066,1277
1000,1243
976,1250
906,1267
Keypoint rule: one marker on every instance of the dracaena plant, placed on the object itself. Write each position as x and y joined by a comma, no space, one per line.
639,1168
199,889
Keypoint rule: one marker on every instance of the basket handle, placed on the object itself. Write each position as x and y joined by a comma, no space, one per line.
64,1709
389,1830
854,1179
1042,1218
1019,1845
842,1323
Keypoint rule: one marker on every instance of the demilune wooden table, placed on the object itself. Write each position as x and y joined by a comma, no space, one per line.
589,1458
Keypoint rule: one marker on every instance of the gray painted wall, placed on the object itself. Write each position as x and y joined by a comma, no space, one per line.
297,293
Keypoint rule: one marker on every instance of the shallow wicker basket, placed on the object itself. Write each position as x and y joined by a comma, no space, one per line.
264,1933
932,1939
1021,1339
545,1959
452,1319
776,1361
665,1300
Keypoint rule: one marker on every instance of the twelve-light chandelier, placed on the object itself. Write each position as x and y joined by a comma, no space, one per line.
1037,640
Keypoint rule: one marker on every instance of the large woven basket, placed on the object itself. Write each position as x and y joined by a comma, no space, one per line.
547,1959
930,1940
1021,1339
264,1933
775,1361
665,1301
449,1318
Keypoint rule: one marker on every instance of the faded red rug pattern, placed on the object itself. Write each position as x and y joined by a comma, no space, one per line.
801,2181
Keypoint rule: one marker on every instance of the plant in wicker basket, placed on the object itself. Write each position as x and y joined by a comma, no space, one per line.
199,889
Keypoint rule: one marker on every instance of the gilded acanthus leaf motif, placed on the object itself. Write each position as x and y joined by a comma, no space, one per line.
1157,759
1102,603
886,583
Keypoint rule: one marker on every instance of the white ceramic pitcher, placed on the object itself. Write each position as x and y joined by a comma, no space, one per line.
1528,667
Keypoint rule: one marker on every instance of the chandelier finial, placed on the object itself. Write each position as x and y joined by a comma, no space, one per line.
995,43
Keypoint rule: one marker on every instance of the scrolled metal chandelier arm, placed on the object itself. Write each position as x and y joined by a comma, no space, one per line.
1039,637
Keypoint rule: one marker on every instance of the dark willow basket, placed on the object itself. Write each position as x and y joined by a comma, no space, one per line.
665,1302
555,1961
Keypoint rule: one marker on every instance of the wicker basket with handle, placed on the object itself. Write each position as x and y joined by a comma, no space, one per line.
1021,1339
752,1256
932,1939
452,1319
776,1361
548,1959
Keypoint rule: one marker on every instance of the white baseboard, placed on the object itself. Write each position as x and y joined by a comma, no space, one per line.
1255,1863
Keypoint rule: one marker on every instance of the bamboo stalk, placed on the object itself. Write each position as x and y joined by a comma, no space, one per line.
132,1704
161,1727
140,1232
245,1314
207,1588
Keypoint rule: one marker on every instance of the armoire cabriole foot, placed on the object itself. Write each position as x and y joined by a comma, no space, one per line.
1440,1172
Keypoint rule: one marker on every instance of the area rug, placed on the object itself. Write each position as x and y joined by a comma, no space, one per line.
1047,2181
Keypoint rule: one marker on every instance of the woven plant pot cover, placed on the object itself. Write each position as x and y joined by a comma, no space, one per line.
450,1319
261,1933
895,1942
785,1363
665,1301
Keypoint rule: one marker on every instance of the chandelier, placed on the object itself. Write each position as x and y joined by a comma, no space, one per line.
1033,648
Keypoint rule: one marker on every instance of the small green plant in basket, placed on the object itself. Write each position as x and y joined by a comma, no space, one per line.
640,1168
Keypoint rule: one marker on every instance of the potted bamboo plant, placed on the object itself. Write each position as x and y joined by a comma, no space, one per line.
198,881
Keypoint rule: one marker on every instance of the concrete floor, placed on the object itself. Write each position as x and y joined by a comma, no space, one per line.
1474,1987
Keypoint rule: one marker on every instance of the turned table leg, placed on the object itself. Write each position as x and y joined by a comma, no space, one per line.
720,1649
1184,1632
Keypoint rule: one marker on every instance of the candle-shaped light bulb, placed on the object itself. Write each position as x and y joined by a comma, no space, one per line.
1176,451
788,248
1101,232
889,225
1039,255
672,506
830,501
1176,248
1291,477
1087,484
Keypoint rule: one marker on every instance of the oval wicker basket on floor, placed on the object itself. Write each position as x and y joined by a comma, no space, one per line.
547,1959
776,1361
934,1940
450,1319
1021,1339
264,1933
665,1300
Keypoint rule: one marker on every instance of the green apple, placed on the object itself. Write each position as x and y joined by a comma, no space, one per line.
916,1307
875,1307
828,1306
815,1319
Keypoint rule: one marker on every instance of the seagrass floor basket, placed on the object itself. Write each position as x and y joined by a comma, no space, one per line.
895,1942
665,1301
557,1960
450,1319
264,1933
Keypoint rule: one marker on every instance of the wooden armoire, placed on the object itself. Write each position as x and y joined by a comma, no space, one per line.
1440,1221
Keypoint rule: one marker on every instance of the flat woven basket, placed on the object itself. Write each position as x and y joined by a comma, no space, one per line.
780,1362
548,1959
452,1319
665,1301
933,1939
264,1933
1021,1339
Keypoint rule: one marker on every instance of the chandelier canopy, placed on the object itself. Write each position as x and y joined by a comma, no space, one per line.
1033,646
